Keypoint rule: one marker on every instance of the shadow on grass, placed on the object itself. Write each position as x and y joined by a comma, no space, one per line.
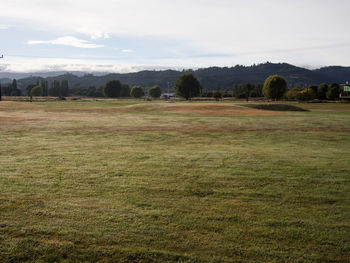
275,107
34,251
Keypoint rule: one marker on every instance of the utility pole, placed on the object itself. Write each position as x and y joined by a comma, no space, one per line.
168,91
2,56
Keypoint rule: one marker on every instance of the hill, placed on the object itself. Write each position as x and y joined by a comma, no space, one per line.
212,78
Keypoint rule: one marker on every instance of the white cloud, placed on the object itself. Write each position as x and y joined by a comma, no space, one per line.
4,26
66,41
93,33
127,51
254,28
20,64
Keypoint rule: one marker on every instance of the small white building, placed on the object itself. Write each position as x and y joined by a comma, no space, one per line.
168,95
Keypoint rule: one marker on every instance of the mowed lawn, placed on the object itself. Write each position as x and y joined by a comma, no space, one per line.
135,181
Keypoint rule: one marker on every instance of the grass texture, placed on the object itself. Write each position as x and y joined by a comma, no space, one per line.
134,181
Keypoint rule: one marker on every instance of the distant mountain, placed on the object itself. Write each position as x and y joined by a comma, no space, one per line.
212,78
5,80
15,75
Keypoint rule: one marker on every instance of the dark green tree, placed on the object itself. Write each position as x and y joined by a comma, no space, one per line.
6,90
12,89
274,87
217,95
36,91
113,89
45,85
187,86
16,92
137,92
314,88
91,91
248,88
64,89
322,91
14,84
333,92
29,89
155,92
125,90
55,89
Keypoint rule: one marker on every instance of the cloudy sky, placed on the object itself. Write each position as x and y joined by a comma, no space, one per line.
129,35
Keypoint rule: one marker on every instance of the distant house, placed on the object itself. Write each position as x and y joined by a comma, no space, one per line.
345,93
168,95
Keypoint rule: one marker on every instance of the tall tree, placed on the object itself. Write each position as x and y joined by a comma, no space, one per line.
274,87
64,88
187,86
322,91
55,89
113,89
14,84
333,92
44,85
125,90
248,87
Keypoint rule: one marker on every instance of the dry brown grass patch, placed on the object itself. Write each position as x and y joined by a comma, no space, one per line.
217,109
15,105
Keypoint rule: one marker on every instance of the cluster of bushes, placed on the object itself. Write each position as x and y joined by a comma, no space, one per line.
112,89
238,91
11,89
247,90
115,89
321,92
91,91
275,88
218,93
57,89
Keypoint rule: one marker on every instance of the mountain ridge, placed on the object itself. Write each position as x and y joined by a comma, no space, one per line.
211,78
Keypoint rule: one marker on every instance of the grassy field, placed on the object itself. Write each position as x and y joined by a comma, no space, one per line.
135,181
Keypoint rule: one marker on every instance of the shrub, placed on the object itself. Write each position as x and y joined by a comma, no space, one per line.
333,92
292,94
322,91
36,91
137,92
217,95
314,88
306,94
155,92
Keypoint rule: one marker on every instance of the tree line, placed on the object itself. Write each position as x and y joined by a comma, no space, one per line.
321,92
186,86
112,89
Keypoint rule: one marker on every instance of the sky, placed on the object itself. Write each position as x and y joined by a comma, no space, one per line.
132,35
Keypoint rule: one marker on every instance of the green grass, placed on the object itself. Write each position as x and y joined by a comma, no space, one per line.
128,181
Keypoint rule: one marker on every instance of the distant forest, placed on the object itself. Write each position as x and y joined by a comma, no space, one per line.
211,79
